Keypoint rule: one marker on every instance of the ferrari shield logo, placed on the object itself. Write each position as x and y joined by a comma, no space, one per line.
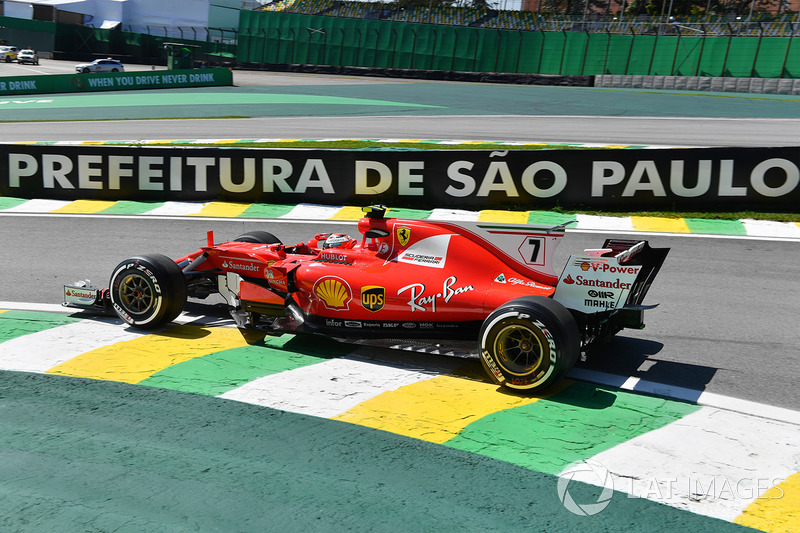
403,235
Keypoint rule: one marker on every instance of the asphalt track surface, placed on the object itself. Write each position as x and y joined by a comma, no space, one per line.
721,324
117,457
274,105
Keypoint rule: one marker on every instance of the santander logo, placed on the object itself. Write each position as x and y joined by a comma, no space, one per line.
240,266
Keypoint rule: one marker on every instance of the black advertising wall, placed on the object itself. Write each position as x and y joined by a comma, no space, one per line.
680,179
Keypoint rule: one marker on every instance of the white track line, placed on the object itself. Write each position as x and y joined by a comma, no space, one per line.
326,389
672,392
42,350
712,462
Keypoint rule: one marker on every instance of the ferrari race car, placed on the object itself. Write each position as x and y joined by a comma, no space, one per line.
431,282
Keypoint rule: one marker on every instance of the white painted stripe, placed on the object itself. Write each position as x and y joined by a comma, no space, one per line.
183,318
711,462
41,351
312,212
770,228
605,223
177,208
327,388
46,308
738,405
685,394
455,215
38,206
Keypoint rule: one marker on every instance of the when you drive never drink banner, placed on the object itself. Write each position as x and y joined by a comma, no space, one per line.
676,179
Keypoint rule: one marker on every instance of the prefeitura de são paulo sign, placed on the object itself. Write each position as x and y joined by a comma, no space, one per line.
685,179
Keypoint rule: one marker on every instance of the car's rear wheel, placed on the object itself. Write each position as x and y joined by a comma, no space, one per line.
8,59
114,70
148,291
261,237
529,343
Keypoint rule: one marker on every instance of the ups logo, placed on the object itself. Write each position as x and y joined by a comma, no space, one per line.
373,298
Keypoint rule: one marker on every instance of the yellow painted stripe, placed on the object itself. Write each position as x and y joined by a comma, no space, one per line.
137,359
435,410
84,206
348,212
660,224
777,510
3,310
221,209
509,217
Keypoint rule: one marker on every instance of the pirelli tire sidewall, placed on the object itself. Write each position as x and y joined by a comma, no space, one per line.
543,321
148,291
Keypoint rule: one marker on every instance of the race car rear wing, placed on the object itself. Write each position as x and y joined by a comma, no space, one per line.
613,277
638,253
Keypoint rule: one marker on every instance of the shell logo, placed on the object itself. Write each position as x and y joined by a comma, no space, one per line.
335,293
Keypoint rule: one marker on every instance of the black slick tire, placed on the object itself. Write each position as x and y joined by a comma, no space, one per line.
148,291
260,237
529,343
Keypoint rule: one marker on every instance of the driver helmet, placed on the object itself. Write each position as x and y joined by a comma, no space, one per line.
338,240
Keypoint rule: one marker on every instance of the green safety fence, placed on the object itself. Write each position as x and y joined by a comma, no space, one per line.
289,38
37,34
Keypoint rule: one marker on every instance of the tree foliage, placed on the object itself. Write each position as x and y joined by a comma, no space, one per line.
657,8
652,8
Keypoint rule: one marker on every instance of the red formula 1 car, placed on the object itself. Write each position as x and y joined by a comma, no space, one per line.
410,280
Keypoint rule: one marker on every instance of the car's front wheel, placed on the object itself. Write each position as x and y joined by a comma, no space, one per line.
529,343
261,237
85,70
148,291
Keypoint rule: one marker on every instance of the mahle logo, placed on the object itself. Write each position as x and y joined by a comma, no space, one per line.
373,298
590,472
